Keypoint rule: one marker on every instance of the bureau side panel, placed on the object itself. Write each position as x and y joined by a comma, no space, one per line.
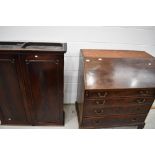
80,90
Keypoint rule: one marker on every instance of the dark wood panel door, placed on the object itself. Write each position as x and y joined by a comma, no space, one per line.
44,73
11,100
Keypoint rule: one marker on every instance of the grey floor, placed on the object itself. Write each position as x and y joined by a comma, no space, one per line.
71,121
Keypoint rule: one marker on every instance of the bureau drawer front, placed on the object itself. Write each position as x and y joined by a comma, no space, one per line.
100,111
113,121
119,101
120,93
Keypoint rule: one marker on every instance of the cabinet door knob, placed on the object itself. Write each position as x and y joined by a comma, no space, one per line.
57,61
36,56
13,61
9,119
27,62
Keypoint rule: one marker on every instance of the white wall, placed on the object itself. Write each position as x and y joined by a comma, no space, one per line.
129,38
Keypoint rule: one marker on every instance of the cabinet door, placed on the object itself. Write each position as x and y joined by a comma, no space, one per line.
11,101
45,76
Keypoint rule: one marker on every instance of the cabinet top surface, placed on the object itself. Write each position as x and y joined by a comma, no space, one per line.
119,73
33,46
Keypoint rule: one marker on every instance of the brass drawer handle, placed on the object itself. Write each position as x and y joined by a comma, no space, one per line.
134,119
144,92
140,101
104,95
100,111
100,103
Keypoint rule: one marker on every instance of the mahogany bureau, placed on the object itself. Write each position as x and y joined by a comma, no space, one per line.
31,83
116,88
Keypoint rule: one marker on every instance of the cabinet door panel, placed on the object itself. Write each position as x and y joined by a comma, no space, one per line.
44,80
11,100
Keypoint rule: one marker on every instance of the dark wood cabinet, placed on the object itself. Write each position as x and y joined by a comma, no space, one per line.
45,82
31,83
11,99
116,88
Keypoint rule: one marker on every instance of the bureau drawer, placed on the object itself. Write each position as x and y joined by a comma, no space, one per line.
113,121
120,93
118,101
131,109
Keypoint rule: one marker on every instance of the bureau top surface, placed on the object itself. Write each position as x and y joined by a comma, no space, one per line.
33,46
96,53
119,73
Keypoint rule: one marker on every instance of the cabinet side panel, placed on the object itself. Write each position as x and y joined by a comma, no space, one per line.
61,89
